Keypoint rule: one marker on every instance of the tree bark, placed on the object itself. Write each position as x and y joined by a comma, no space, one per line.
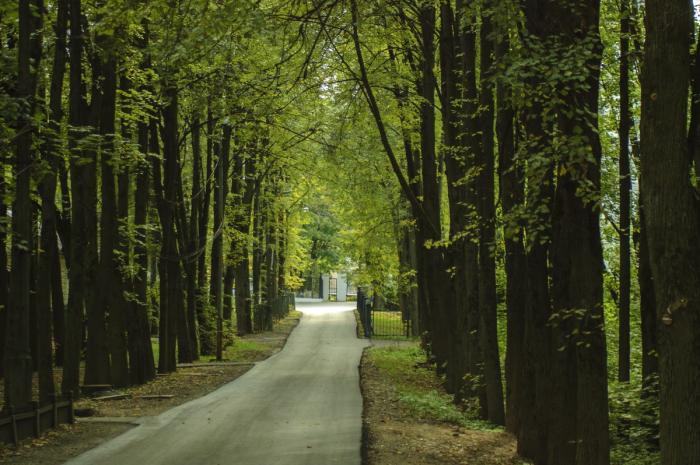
672,220
512,195
111,297
488,323
76,271
625,182
17,361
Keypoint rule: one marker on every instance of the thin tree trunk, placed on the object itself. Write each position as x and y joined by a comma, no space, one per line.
625,181
217,254
48,254
194,301
206,346
519,410
488,324
76,296
141,362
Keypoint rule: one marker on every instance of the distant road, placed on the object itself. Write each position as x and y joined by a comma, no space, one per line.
300,407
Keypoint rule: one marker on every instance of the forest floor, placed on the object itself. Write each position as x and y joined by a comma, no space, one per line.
109,418
410,420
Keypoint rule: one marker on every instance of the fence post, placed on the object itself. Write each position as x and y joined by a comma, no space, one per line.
368,318
37,419
13,420
71,412
54,401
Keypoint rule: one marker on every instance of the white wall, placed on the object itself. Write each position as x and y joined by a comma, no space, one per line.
342,287
326,279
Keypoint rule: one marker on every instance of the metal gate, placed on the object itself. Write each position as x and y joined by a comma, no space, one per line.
382,322
333,289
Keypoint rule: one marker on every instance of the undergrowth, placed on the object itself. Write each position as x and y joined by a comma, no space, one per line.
419,389
632,420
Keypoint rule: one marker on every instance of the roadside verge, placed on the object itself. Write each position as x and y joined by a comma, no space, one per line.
408,419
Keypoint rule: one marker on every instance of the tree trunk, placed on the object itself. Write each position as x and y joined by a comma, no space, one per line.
111,298
647,308
141,362
625,181
194,301
258,247
76,296
519,410
577,283
17,362
488,323
168,265
217,253
50,300
436,279
672,220
206,344
97,363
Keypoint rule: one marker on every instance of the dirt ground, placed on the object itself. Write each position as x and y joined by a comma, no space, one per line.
107,419
396,436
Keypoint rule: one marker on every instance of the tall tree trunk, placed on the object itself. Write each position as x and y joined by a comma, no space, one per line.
625,181
672,220
76,272
258,247
97,363
512,194
217,253
203,317
50,306
111,287
186,320
217,250
437,278
469,141
194,302
454,161
4,273
17,362
244,317
488,323
141,362
168,263
577,283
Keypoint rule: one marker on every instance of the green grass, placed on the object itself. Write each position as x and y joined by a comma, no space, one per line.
419,389
245,350
156,349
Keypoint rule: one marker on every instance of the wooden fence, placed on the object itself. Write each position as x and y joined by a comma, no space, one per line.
34,421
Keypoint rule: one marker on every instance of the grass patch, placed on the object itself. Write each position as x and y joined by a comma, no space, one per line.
244,349
419,390
251,348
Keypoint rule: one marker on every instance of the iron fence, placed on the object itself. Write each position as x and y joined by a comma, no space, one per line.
384,322
282,305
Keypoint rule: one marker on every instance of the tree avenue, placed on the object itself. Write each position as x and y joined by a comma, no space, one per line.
520,178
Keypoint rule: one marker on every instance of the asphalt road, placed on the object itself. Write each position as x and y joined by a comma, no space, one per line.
300,407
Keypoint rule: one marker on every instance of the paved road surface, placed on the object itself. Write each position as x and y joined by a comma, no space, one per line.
300,407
